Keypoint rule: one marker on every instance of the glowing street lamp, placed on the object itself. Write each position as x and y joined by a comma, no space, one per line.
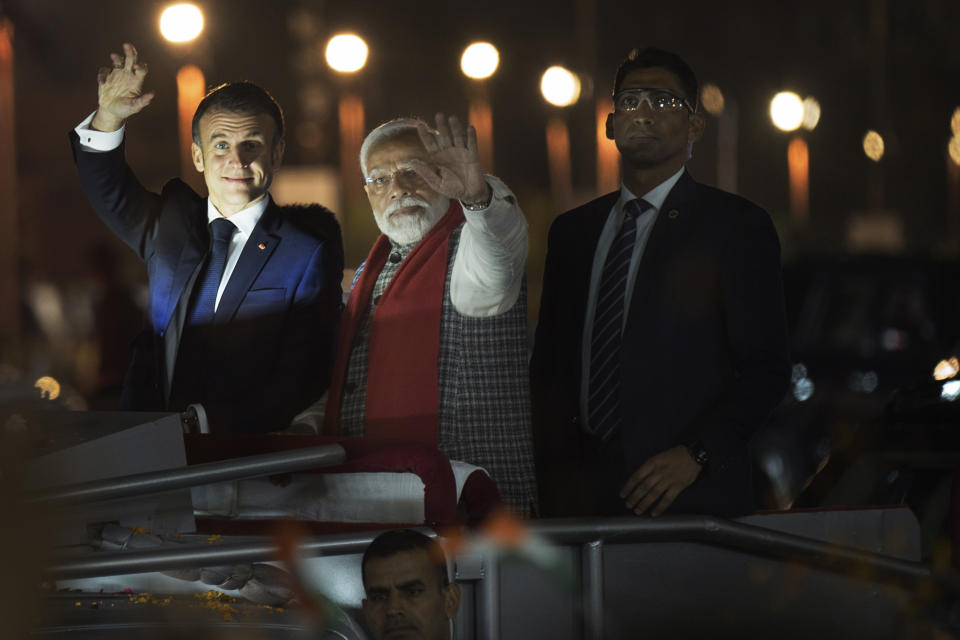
479,62
727,114
786,111
346,53
789,112
181,22
561,88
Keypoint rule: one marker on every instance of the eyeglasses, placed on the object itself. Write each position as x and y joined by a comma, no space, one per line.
659,100
381,183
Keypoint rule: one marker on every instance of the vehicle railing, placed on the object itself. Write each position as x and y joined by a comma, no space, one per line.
140,484
710,530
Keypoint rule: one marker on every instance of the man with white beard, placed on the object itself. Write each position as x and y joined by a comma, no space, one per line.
433,342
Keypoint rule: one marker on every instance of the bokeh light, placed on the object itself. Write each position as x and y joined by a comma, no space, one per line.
954,149
811,113
873,145
946,369
49,387
955,122
560,87
480,60
181,22
346,52
712,99
786,111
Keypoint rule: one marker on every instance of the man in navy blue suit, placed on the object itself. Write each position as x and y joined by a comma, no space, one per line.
245,295
662,342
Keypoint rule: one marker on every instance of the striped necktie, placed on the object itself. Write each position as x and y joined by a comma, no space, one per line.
603,403
188,373
204,303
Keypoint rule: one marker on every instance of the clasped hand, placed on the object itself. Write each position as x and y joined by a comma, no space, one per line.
659,481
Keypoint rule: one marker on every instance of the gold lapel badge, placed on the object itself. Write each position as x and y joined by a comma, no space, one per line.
673,213
261,246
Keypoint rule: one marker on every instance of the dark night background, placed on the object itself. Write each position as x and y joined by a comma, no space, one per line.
888,65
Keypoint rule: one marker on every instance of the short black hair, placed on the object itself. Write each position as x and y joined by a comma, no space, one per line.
400,540
652,57
244,98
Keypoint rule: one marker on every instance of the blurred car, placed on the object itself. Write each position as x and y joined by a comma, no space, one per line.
861,328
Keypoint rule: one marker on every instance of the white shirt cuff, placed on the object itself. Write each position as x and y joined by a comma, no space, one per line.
93,140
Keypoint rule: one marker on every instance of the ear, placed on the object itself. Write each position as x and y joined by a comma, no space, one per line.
197,153
277,153
451,600
697,124
610,134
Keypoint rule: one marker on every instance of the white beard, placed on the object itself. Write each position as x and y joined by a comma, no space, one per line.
411,228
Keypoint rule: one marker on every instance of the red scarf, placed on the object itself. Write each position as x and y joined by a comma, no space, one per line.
403,392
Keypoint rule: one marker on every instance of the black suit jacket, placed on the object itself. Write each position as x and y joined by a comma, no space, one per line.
270,351
704,354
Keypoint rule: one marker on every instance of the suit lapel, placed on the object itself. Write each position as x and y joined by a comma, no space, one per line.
672,224
259,247
192,253
589,235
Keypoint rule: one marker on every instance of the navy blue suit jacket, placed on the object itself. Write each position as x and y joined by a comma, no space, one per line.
270,352
704,354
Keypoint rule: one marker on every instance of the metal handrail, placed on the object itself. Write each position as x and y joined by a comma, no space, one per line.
141,484
702,529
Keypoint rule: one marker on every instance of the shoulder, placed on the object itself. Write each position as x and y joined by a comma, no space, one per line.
177,191
313,220
575,219
731,205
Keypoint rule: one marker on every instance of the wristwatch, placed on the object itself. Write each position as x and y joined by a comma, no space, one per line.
478,206
697,452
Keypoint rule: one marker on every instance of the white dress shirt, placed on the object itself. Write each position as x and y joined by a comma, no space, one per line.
655,197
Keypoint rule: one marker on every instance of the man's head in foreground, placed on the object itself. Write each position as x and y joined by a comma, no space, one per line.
408,592
237,144
404,205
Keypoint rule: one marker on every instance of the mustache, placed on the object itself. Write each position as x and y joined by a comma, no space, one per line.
402,203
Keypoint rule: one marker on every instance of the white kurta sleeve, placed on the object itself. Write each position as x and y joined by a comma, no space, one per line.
489,268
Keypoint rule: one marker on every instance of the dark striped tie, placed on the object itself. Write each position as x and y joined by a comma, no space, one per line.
603,403
204,303
188,373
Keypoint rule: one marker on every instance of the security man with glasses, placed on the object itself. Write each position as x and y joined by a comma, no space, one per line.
661,344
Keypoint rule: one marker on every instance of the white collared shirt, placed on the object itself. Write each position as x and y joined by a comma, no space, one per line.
655,197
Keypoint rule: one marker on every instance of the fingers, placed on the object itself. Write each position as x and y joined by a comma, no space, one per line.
668,497
102,74
428,138
130,53
428,173
472,138
117,60
635,479
142,101
457,132
651,495
443,131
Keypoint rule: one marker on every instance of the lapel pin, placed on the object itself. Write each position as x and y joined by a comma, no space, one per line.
261,246
673,213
